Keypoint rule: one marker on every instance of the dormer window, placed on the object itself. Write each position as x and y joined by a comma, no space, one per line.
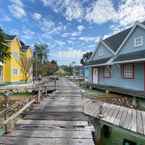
100,52
138,41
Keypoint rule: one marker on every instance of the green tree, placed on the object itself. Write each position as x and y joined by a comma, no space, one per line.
40,59
40,52
26,65
4,54
86,57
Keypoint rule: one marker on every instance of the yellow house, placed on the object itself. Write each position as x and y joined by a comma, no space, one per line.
11,70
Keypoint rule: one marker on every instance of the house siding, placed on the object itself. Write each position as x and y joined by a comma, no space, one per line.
117,81
129,45
107,53
88,73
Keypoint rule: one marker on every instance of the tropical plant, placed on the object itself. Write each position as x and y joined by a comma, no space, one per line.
40,52
86,57
26,65
4,54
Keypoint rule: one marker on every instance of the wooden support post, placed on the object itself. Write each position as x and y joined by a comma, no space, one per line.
55,83
39,95
5,113
107,92
46,91
98,132
134,103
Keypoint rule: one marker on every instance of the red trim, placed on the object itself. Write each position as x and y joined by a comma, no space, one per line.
144,76
110,73
123,71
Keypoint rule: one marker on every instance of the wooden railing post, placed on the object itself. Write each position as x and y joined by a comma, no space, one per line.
39,94
5,113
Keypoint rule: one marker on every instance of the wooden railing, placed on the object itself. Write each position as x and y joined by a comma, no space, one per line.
8,116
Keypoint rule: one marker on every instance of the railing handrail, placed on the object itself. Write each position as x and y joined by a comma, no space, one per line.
12,117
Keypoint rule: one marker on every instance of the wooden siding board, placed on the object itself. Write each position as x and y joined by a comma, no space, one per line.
143,117
139,122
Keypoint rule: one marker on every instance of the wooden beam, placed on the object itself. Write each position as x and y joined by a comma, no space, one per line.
19,112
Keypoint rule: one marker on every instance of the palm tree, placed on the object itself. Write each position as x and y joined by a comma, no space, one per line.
40,58
4,54
86,57
41,52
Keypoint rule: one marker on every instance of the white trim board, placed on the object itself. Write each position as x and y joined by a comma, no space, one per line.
129,61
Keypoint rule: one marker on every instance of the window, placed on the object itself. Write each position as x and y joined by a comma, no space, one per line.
127,71
100,52
15,71
138,41
107,72
15,55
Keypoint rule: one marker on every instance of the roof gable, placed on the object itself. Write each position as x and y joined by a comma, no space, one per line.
105,47
115,40
129,34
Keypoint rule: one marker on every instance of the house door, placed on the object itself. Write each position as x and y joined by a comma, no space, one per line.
95,75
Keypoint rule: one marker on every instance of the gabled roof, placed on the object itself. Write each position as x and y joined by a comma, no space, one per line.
9,37
24,47
114,41
130,57
137,24
106,46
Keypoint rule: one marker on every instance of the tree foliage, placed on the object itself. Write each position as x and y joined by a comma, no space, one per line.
4,54
26,65
86,57
40,52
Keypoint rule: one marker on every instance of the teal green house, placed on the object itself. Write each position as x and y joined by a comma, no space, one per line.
118,62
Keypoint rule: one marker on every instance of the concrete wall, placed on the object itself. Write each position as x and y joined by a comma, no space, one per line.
117,80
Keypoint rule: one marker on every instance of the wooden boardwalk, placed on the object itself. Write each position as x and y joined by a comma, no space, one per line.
57,120
126,118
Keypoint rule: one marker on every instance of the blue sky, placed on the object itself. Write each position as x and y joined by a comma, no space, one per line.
69,27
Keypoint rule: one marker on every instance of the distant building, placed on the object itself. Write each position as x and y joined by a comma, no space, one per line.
10,71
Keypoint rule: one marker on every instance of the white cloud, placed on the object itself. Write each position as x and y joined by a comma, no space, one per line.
17,2
101,12
46,25
74,10
17,9
75,34
131,11
80,28
6,18
88,39
36,16
71,9
60,43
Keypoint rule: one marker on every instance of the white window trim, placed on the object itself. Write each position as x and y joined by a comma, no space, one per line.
15,74
141,40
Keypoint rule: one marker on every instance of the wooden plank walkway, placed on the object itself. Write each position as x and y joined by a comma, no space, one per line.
57,120
126,118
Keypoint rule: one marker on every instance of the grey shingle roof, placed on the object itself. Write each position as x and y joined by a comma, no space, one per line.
115,40
131,56
9,37
98,62
24,46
